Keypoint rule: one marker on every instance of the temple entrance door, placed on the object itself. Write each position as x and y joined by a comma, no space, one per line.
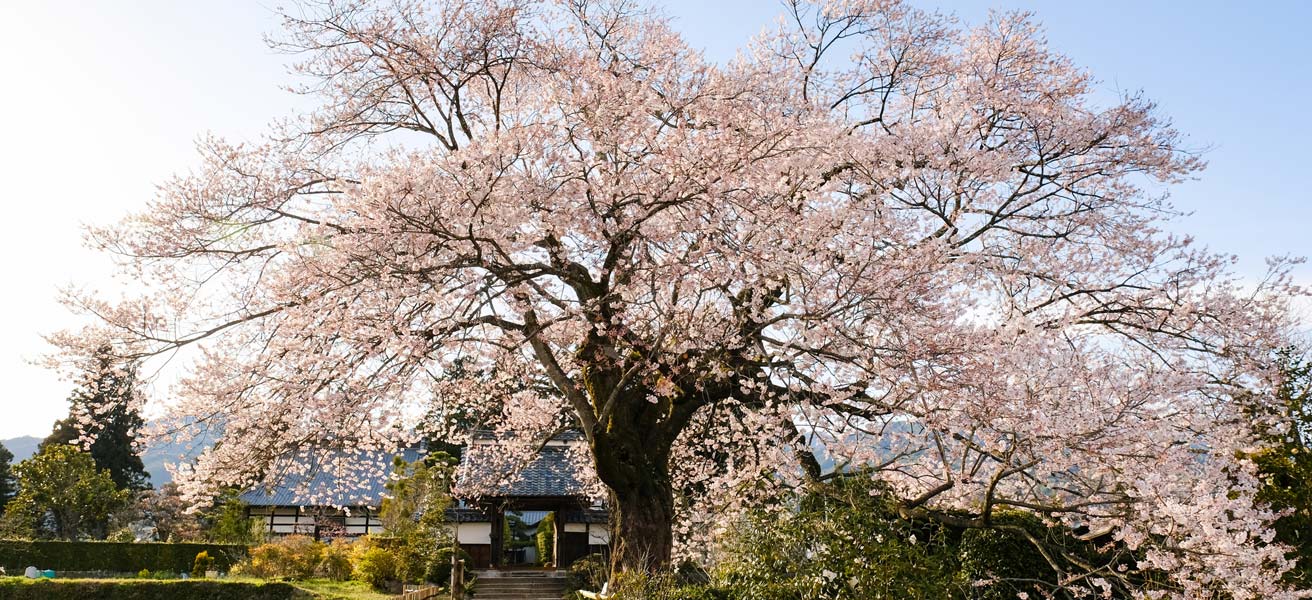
528,538
524,538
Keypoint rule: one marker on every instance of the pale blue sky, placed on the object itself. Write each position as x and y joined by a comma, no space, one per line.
102,100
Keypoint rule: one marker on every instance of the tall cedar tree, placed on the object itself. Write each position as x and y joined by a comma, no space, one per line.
103,409
8,486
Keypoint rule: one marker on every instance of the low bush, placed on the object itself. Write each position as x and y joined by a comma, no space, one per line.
439,571
204,562
294,557
16,555
16,588
587,573
336,561
844,542
377,566
666,586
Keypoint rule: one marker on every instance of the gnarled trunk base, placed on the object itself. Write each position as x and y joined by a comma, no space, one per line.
642,535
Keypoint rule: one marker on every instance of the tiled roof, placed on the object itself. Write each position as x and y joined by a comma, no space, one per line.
551,475
366,486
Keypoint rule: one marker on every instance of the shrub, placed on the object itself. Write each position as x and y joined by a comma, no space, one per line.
143,574
134,589
204,562
845,541
700,592
377,566
665,586
114,556
587,573
336,561
294,556
439,570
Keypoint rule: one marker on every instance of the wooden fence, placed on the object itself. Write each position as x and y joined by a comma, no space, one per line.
426,593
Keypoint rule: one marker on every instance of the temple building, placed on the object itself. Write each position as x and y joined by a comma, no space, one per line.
491,527
499,528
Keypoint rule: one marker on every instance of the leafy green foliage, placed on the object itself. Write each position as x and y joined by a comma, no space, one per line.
204,562
546,539
440,569
845,541
587,573
290,557
997,564
414,515
229,523
104,408
378,567
113,556
137,589
336,562
635,585
1285,461
62,495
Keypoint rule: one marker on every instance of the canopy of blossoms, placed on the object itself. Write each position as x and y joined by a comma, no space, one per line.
921,248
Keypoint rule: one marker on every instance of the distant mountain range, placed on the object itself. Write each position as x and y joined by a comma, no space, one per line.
154,458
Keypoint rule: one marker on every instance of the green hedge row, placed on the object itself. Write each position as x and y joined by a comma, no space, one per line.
129,589
125,557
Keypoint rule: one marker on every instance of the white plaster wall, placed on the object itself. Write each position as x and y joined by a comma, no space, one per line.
474,533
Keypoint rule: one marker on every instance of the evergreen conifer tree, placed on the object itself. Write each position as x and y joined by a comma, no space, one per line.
104,409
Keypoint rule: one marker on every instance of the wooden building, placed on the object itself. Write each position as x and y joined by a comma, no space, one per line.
548,484
323,507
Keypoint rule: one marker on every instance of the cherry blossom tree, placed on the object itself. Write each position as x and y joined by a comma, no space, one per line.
923,249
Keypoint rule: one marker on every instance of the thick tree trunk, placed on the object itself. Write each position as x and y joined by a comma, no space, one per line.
636,469
642,530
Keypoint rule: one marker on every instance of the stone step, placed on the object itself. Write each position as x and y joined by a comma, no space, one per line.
531,586
500,582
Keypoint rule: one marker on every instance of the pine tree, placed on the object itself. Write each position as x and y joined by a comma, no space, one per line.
104,409
8,485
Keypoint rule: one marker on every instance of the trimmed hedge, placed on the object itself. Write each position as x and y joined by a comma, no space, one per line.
13,588
123,557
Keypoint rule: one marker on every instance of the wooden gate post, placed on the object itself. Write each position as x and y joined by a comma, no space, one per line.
457,577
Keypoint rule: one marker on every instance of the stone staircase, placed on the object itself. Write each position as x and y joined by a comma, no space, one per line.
512,585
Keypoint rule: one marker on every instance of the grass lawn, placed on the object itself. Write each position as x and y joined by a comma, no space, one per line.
324,589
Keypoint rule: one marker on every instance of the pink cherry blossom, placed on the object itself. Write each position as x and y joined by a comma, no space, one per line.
921,246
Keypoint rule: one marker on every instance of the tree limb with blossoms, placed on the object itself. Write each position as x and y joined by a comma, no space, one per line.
922,248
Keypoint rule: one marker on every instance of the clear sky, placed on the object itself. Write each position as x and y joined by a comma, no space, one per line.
101,100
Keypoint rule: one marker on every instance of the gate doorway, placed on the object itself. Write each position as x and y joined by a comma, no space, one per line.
528,538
